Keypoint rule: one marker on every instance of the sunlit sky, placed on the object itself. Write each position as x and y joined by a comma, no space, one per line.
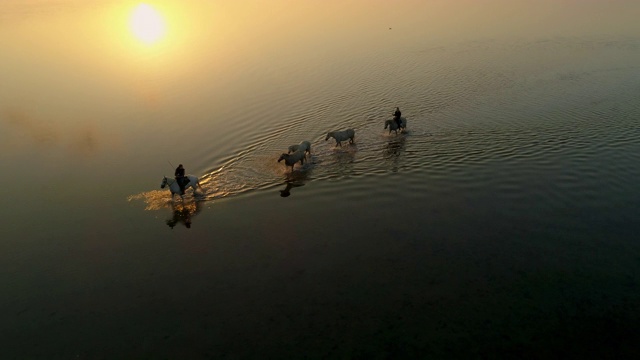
121,52
147,24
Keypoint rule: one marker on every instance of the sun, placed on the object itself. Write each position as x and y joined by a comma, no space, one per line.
147,24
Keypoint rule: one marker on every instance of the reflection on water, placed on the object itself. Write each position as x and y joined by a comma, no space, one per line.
527,184
183,208
393,149
298,177
183,212
154,199
395,146
340,161
287,190
161,199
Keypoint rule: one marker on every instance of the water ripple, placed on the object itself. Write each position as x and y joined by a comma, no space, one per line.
482,118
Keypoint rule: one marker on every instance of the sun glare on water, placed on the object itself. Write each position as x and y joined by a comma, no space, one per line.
147,24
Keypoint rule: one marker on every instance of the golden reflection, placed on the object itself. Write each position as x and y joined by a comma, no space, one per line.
154,200
162,199
147,24
182,213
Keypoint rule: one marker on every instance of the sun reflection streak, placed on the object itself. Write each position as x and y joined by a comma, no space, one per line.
161,199
154,200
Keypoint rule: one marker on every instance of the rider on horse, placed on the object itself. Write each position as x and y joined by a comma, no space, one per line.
181,179
396,117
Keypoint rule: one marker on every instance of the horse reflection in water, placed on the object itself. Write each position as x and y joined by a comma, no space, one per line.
287,190
183,212
295,179
392,150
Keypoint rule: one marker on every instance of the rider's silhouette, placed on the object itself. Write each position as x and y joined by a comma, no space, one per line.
180,178
396,116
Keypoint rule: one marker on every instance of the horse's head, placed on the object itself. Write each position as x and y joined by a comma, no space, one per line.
387,123
164,182
329,134
282,157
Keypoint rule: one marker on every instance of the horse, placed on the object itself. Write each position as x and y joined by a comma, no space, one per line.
393,125
292,159
303,146
175,188
341,136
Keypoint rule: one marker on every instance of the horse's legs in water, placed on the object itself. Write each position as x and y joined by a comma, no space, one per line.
173,195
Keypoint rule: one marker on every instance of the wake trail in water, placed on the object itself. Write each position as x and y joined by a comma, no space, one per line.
470,117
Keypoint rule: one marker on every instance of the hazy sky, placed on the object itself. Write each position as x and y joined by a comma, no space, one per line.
62,59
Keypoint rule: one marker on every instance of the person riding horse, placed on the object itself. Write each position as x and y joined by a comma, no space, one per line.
396,117
181,179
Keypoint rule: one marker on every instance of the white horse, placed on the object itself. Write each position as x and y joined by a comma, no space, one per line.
341,136
303,146
175,188
292,159
393,125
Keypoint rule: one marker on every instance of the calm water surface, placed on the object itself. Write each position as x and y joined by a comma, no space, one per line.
501,224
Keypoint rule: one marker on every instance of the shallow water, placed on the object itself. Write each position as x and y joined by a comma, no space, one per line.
501,223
